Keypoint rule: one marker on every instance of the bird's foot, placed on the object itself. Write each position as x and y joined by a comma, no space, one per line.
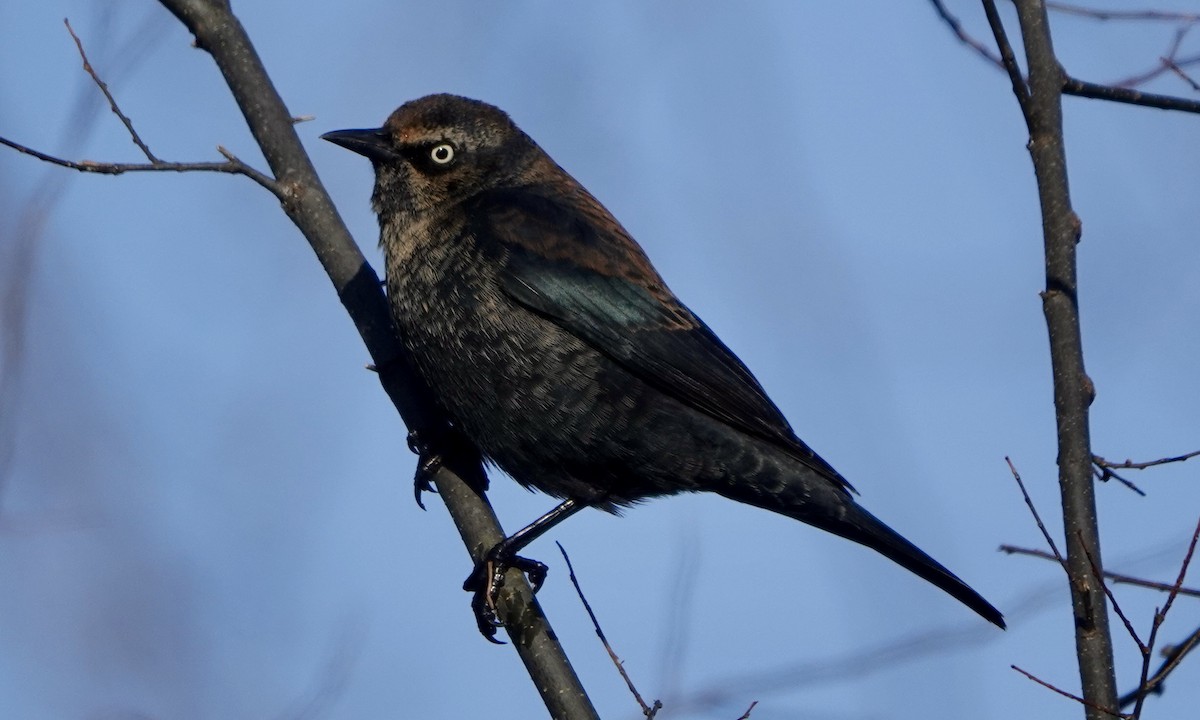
445,446
429,461
486,580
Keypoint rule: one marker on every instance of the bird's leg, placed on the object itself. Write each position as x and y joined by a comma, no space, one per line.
488,576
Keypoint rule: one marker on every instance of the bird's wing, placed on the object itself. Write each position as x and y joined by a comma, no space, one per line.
576,266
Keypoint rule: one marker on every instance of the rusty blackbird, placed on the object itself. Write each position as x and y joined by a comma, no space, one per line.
554,346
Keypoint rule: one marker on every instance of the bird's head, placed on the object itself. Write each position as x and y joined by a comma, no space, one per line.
437,150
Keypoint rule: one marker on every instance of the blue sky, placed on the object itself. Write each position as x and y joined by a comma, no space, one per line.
205,501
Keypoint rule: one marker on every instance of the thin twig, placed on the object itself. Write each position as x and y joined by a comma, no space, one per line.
1104,475
1164,61
1176,66
1069,9
1071,86
1143,648
1131,465
1183,568
232,165
1037,518
1008,59
648,710
966,38
1064,693
1159,617
1174,654
1105,468
112,102
1117,578
258,177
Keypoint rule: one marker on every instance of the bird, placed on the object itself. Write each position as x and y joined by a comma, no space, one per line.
555,347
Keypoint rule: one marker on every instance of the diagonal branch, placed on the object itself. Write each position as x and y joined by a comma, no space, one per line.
1036,516
1174,655
1086,703
1169,61
964,37
112,102
460,479
1008,58
1160,615
1175,65
650,711
217,31
232,165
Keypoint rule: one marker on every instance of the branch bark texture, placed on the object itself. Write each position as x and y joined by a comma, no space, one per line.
1073,390
306,203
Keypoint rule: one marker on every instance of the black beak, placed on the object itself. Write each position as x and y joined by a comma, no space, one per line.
374,143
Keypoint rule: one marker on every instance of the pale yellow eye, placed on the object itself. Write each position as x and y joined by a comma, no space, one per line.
442,154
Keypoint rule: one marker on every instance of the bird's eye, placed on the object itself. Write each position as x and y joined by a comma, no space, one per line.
442,153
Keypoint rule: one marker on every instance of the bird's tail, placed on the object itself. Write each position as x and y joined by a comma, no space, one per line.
849,520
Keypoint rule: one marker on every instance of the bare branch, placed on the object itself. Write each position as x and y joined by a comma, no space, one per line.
1183,568
1064,693
461,479
1176,66
1073,389
967,39
1143,647
1008,59
1081,88
232,165
1159,617
1070,85
1131,465
1037,518
1117,578
1105,475
648,710
1174,654
1070,9
112,102
1164,62
1105,468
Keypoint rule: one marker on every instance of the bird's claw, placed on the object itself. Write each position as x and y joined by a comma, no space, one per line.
486,580
416,444
428,463
427,467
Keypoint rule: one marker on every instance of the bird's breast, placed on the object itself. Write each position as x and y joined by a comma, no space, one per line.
500,370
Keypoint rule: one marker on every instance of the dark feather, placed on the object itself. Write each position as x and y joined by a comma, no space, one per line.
614,301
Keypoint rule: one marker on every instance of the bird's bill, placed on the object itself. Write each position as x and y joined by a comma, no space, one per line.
373,143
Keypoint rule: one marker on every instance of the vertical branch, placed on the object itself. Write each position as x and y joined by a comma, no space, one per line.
1073,390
